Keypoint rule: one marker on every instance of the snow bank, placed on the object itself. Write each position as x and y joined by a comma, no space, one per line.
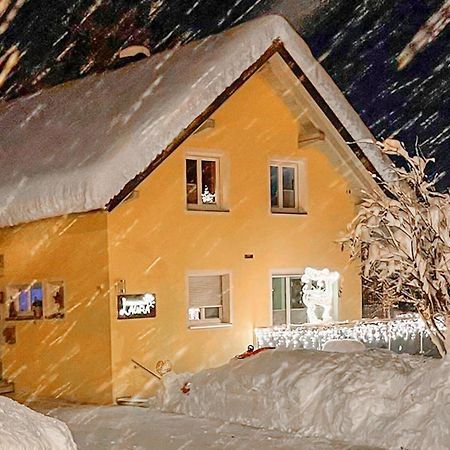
23,428
370,398
343,346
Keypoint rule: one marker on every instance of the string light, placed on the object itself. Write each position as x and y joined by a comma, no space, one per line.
371,332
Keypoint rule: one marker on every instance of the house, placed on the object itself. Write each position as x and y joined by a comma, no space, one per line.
164,210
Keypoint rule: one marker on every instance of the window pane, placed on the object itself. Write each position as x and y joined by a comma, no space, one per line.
23,300
36,294
212,313
298,309
279,300
274,186
209,182
288,187
191,181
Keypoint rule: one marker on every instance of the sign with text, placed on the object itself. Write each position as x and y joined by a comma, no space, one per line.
136,306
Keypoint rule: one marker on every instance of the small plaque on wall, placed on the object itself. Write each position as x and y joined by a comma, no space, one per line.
9,335
136,306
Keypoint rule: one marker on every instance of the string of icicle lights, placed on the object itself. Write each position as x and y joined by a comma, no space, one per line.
369,332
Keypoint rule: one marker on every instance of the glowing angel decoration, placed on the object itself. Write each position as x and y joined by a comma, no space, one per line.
427,34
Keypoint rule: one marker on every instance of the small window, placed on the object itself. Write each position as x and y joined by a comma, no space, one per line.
209,299
202,183
25,301
285,193
35,300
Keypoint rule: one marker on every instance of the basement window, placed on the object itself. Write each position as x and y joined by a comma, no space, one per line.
202,183
209,300
287,187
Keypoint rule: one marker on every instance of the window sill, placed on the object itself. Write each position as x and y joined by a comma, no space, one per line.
210,325
295,212
55,316
207,210
19,318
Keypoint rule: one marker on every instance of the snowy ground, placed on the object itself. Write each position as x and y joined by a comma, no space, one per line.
21,428
373,397
275,399
127,427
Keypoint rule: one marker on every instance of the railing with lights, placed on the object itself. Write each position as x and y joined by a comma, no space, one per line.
406,333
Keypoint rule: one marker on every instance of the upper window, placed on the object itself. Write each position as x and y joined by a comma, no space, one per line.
285,193
209,299
202,183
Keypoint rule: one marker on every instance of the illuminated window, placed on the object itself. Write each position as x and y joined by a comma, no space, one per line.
209,299
34,300
311,297
202,183
287,182
287,304
25,301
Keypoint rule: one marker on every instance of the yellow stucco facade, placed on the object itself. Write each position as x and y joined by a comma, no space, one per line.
154,242
71,356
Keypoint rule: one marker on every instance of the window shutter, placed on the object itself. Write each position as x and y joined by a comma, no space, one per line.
205,291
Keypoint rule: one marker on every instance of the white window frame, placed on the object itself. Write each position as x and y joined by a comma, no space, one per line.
287,299
224,319
299,167
298,273
199,206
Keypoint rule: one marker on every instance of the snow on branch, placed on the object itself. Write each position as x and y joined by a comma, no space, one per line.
403,240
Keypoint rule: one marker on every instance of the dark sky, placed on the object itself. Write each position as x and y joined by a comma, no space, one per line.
356,40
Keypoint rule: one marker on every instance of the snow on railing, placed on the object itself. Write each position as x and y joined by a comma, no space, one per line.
394,334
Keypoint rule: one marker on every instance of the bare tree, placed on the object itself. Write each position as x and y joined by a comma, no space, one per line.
402,238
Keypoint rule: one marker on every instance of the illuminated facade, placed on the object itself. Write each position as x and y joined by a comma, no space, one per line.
234,229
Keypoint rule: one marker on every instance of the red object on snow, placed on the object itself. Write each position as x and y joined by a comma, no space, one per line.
186,388
251,351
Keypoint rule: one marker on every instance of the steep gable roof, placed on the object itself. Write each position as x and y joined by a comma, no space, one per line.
82,145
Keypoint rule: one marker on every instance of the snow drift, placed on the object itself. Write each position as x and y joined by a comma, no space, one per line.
370,398
21,428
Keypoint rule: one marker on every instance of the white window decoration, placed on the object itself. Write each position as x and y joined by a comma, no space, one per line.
287,187
320,293
202,182
209,299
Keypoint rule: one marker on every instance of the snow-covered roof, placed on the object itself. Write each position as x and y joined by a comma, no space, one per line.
74,147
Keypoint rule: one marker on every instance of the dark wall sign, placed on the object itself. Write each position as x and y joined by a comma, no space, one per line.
136,306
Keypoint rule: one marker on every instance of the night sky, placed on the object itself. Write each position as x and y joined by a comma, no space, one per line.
357,42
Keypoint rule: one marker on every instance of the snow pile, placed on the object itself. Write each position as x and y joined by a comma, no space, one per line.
343,346
370,398
23,428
